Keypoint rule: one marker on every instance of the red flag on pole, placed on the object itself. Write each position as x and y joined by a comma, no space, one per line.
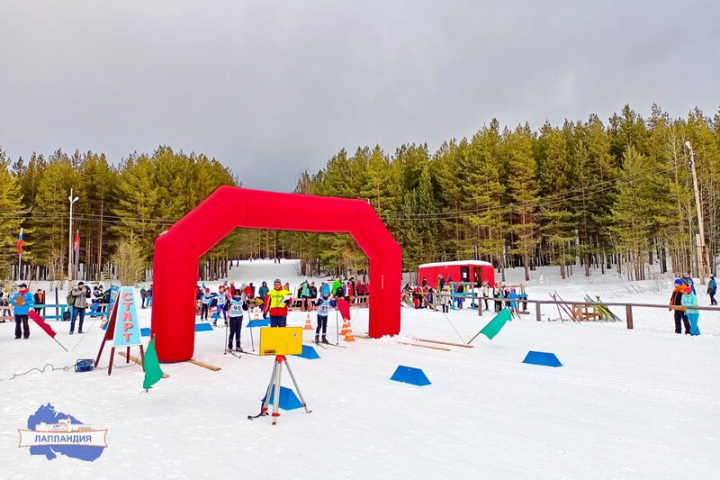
76,243
20,243
41,323
344,308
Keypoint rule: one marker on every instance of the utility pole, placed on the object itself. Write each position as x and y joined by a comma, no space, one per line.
70,239
702,259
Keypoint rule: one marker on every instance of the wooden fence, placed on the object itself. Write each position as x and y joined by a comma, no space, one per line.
572,303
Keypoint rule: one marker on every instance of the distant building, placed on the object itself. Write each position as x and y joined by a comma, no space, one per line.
471,271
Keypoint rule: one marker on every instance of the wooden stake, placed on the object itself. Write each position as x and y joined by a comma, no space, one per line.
204,365
444,343
425,346
138,361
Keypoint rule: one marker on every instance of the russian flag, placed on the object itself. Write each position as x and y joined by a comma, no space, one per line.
20,243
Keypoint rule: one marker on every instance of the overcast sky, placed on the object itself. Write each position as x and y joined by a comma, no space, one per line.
270,88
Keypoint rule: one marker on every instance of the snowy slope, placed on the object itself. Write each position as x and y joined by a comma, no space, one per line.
626,404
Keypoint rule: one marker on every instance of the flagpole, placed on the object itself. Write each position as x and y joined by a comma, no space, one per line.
63,346
19,249
76,248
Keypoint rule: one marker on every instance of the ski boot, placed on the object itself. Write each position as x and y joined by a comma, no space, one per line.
317,338
325,340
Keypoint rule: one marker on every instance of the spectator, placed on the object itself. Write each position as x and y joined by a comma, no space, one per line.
712,290
39,300
79,305
22,302
689,300
679,312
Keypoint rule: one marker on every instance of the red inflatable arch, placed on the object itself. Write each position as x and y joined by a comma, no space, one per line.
178,250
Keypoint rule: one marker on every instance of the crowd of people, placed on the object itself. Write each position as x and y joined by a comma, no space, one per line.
452,294
79,299
230,301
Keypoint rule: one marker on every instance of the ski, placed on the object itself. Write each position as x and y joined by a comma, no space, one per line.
566,308
614,317
336,345
320,345
560,312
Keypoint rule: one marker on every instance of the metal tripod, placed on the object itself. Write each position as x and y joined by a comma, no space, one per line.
274,389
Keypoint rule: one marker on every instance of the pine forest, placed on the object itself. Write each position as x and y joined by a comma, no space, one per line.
586,196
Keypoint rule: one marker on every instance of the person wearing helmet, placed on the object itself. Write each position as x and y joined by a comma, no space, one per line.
205,304
235,312
276,304
323,304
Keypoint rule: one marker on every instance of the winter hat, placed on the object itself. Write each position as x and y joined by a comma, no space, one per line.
277,280
207,290
22,285
678,281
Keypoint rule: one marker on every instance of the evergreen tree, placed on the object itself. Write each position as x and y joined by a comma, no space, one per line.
523,191
556,173
12,214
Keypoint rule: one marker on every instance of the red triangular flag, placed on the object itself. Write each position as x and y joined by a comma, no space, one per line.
41,323
344,308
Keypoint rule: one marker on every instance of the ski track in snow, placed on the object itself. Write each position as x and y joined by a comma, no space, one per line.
626,404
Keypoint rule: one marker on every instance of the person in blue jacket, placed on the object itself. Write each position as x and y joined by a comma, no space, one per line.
22,302
689,300
712,290
262,293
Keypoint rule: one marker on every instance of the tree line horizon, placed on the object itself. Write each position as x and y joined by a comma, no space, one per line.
584,194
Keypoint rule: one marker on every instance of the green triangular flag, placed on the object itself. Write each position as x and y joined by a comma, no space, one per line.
153,373
497,323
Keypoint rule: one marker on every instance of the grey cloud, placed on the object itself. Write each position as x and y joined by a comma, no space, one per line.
272,88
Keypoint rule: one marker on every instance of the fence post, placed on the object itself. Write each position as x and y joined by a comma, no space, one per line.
629,316
480,308
537,311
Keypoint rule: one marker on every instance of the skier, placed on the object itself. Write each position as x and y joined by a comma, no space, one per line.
323,305
513,296
205,304
221,307
237,305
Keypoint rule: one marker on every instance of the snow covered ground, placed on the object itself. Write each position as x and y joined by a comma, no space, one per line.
639,403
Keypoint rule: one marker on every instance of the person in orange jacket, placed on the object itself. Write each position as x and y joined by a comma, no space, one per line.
679,311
